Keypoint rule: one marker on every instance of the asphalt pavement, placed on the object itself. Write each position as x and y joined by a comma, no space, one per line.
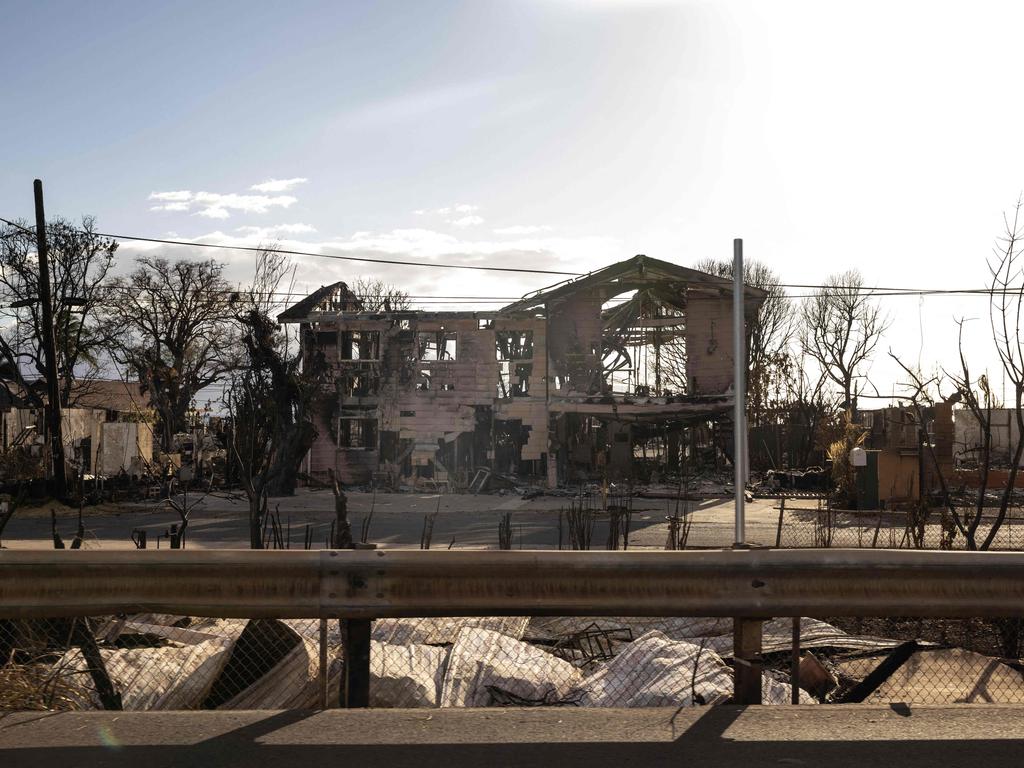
462,521
840,736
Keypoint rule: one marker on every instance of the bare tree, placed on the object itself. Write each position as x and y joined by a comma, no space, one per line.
378,296
770,335
1006,306
975,395
247,400
172,326
80,261
840,329
271,397
671,361
808,404
964,519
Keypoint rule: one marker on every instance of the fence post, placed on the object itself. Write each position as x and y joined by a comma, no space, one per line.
355,689
746,653
778,531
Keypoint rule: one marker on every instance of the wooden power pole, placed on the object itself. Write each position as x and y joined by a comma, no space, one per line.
59,477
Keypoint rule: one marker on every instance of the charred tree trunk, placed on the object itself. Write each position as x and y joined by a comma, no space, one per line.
294,446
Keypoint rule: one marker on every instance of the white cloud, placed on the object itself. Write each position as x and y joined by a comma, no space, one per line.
179,196
467,221
447,210
216,205
214,212
247,203
421,244
521,229
276,230
278,185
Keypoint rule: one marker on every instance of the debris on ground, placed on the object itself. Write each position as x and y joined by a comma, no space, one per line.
951,675
157,661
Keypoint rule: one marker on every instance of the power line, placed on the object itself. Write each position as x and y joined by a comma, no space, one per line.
288,252
367,259
872,291
304,294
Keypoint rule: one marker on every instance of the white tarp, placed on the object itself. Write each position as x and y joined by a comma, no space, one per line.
443,630
555,627
292,683
406,675
482,658
717,632
656,671
170,677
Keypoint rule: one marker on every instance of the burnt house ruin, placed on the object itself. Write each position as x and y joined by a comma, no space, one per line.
574,382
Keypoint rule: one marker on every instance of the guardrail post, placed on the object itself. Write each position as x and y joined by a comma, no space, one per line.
324,667
794,663
355,691
746,653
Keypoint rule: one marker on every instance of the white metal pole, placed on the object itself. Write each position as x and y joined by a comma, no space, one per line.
739,387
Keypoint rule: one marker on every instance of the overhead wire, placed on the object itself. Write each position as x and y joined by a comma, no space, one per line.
339,257
875,291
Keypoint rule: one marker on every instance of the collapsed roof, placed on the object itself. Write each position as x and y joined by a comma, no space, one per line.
661,279
335,297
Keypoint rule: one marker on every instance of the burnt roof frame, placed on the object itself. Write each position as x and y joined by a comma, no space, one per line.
638,273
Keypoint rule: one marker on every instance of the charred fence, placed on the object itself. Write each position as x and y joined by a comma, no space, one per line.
288,629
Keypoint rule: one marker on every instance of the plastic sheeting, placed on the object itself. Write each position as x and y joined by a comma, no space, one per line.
482,658
292,683
152,678
717,632
656,671
406,675
443,630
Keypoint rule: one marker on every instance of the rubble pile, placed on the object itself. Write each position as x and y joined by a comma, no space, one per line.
175,662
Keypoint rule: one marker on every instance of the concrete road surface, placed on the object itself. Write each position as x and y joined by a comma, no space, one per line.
398,521
850,736
465,521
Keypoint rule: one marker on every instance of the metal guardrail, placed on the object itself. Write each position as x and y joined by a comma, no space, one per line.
749,585
400,583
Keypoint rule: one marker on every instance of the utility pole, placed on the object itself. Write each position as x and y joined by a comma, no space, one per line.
739,414
59,478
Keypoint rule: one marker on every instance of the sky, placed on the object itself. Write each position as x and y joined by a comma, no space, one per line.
563,135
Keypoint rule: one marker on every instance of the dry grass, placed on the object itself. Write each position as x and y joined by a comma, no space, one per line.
36,687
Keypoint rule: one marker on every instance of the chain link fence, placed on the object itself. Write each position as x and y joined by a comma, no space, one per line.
933,661
163,662
811,522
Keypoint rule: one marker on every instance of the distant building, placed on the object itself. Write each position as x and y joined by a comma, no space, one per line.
107,431
562,385
906,451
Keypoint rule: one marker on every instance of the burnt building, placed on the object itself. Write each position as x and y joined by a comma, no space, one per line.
908,454
573,382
